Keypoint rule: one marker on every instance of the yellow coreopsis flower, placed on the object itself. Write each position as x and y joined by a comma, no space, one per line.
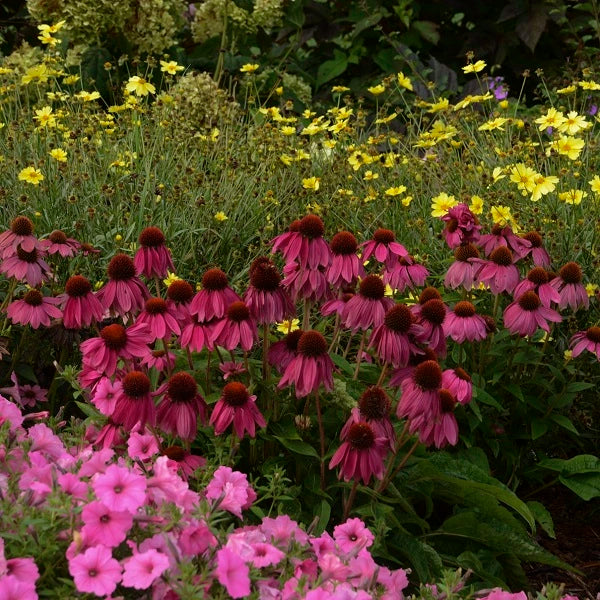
442,104
595,184
553,118
47,38
45,117
221,216
376,90
369,176
338,89
288,326
37,73
58,154
589,85
572,196
249,68
170,67
591,289
497,174
87,96
523,176
542,186
476,205
475,67
171,277
288,130
496,123
567,90
573,123
501,215
139,86
405,82
395,191
311,183
441,204
31,175
568,146
406,200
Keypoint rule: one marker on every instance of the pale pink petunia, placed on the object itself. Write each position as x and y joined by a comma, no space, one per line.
352,535
231,489
196,538
105,395
144,568
95,571
120,488
233,573
142,446
12,588
101,525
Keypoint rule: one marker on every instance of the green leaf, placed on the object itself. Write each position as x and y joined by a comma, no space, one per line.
543,517
485,398
586,486
342,364
538,428
87,409
582,463
428,30
299,447
92,69
331,68
423,558
324,514
579,386
564,422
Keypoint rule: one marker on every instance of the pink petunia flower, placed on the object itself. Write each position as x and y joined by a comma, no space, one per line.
196,538
101,525
345,267
463,323
266,555
236,406
586,340
105,395
80,307
233,573
142,446
95,571
526,314
58,243
120,489
384,248
12,588
352,535
153,258
29,267
367,308
231,489
144,568
32,394
34,310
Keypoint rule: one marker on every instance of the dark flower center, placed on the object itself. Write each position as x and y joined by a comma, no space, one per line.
312,343
490,324
105,518
238,312
29,257
292,338
114,336
535,238
428,375
264,275
33,298
372,287
429,293
434,311
21,226
175,453
180,291
593,334
529,301
311,227
156,306
462,374
235,394
214,280
464,309
447,400
497,229
538,275
361,436
78,286
384,236
151,237
374,403
58,237
121,268
571,273
452,225
136,384
182,387
466,251
343,243
294,226
501,256
399,318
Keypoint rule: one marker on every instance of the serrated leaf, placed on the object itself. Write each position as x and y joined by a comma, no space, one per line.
543,517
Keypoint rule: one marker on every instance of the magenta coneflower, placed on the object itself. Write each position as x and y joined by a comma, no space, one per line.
181,406
265,297
236,406
160,360
26,266
443,429
586,340
179,298
237,329
504,236
58,243
88,249
463,323
283,352
540,256
367,308
384,247
34,310
361,454
80,307
311,367
538,281
134,402
102,353
305,284
462,271
283,240
153,258
196,335
21,235
459,383
420,392
462,226
568,285
307,246
161,320
345,267
125,293
232,369
525,315
431,315
406,273
395,339
212,300
186,462
399,375
499,272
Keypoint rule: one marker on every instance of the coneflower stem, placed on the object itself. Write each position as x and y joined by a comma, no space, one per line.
336,333
266,372
157,285
350,501
382,375
402,463
363,339
165,342
306,315
348,346
321,438
189,357
208,372
384,482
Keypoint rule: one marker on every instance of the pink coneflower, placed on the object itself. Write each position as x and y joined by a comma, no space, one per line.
161,320
305,284
95,571
187,463
420,392
34,310
196,335
89,250
105,395
30,395
368,307
406,273
265,297
20,235
459,383
586,340
120,488
153,258
394,340
504,236
525,315
442,429
499,272
345,267
311,367
237,329
361,454
352,536
102,353
101,525
538,281
236,406
80,307
568,285
212,300
283,240
109,437
336,305
144,568
179,298
307,247
462,271
463,323
232,369
161,360
384,247
58,243
462,226
134,402
181,406
125,293
26,266
540,256
431,315
283,352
